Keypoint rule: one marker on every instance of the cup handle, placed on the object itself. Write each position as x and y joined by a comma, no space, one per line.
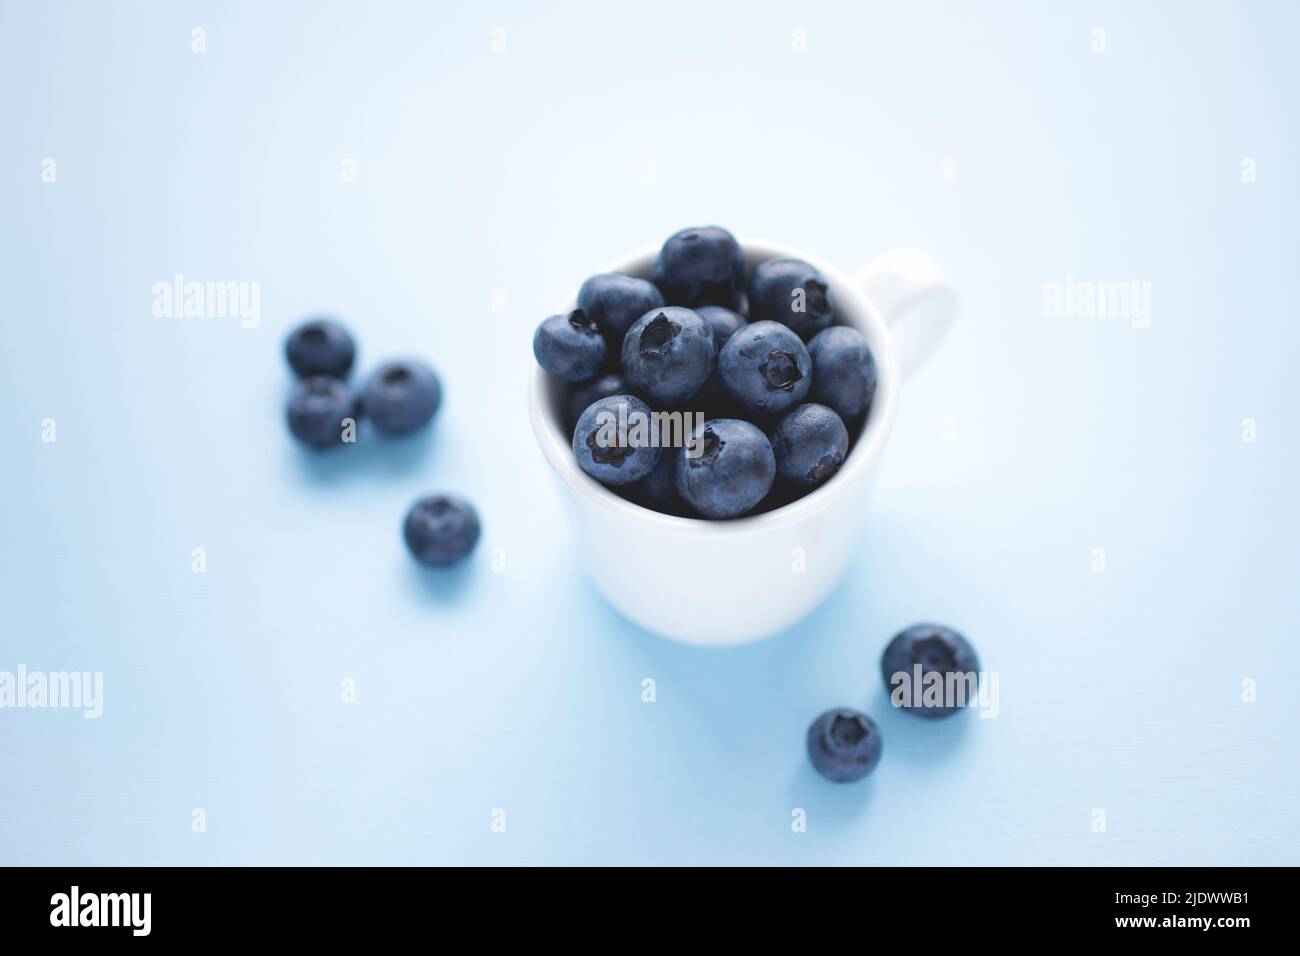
915,300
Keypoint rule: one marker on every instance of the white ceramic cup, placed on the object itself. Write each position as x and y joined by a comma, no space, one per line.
729,582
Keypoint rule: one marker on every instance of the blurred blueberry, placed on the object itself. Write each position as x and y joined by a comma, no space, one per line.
791,292
844,745
318,408
844,371
441,530
320,347
937,649
401,396
700,266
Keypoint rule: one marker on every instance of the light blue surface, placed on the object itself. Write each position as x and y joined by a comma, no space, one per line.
524,171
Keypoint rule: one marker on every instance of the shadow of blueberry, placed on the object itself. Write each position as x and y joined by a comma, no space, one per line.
442,586
915,739
372,455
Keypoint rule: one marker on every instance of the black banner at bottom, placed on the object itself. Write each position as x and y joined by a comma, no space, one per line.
93,905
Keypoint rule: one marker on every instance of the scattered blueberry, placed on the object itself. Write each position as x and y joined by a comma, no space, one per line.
810,444
844,745
606,443
701,266
669,354
766,368
401,396
791,292
936,649
614,300
731,472
318,408
584,393
724,322
570,346
844,371
441,530
320,347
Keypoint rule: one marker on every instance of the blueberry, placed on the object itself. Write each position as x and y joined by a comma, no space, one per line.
570,346
320,347
669,354
441,530
319,408
658,490
401,396
732,468
701,266
724,322
810,444
791,292
766,368
844,745
608,444
583,394
714,401
937,649
844,371
614,300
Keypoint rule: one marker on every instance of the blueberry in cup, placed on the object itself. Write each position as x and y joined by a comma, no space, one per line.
570,346
810,444
726,468
791,292
608,444
582,394
701,266
669,354
724,322
844,371
614,300
766,368
751,358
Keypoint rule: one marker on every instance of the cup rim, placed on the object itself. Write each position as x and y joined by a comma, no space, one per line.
558,449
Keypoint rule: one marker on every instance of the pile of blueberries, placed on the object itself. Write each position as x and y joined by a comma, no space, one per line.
844,745
783,390
399,398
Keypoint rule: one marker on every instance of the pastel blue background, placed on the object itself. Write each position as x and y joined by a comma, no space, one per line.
523,171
